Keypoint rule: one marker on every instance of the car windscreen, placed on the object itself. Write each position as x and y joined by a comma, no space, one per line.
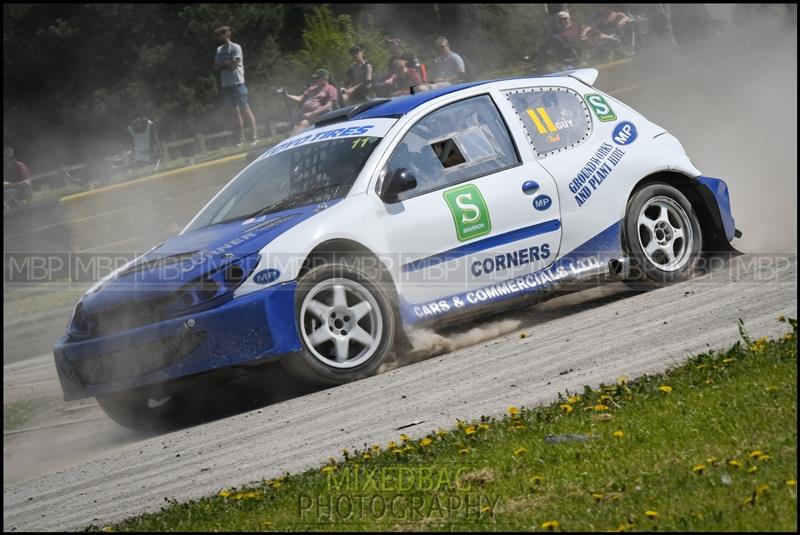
299,176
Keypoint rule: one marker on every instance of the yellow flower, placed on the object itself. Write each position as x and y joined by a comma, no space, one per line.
551,524
651,514
764,458
598,496
604,397
622,379
376,447
519,451
736,463
513,411
275,483
463,451
749,500
224,493
791,482
469,431
441,433
484,427
425,442
755,453
567,408
761,489
666,389
709,381
328,469
728,360
574,399
712,461
519,425
537,479
752,470
523,335
391,445
366,456
267,524
781,318
699,468
618,529
404,437
486,509
618,434
600,408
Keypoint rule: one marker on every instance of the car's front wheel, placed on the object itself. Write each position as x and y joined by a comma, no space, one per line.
662,236
142,410
346,324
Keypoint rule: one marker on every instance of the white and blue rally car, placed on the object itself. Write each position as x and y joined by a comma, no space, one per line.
390,214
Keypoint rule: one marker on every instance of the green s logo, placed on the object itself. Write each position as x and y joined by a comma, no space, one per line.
600,107
470,214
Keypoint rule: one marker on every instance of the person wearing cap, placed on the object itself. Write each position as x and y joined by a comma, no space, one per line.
317,99
358,79
229,62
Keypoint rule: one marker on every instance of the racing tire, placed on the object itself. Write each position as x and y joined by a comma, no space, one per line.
141,410
345,321
662,237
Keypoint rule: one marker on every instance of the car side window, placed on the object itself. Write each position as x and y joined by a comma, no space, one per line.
459,142
555,118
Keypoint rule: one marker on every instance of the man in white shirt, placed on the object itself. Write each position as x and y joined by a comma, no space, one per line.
448,68
230,64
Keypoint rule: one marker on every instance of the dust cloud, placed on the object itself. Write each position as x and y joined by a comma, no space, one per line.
731,100
429,341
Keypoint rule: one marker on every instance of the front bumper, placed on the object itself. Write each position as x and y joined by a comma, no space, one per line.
254,327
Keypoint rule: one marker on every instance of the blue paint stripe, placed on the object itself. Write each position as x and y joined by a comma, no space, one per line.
480,245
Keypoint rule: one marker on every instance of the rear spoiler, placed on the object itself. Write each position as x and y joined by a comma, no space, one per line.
587,76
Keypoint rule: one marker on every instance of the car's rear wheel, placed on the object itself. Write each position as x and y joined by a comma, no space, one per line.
662,236
346,324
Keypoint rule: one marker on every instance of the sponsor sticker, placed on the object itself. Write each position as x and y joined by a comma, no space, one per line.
265,276
542,202
600,107
624,134
470,214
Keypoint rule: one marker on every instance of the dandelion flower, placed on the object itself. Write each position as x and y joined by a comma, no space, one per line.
484,427
513,411
463,451
537,479
764,458
752,470
699,468
749,500
469,431
574,399
623,379
600,407
618,434
761,489
651,514
425,442
404,437
712,460
598,496
441,433
567,408
666,389
551,524
519,451
791,482
755,453
736,463
224,493
519,425
486,509
328,469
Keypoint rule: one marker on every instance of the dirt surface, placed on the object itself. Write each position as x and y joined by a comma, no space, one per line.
613,334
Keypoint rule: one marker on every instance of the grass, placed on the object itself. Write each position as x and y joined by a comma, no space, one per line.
710,445
31,412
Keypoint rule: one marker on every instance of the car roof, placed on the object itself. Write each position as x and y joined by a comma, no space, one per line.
399,106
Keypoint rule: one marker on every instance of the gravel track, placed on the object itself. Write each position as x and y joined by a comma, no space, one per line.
630,335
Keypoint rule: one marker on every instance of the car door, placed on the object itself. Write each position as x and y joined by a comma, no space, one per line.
482,213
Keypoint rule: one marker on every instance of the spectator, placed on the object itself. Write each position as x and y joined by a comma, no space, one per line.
16,180
358,79
609,29
317,99
402,77
398,51
448,66
563,47
229,62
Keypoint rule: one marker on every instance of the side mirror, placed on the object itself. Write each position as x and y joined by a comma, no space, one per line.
395,183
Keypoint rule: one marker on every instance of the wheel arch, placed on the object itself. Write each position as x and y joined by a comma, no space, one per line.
701,199
329,250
